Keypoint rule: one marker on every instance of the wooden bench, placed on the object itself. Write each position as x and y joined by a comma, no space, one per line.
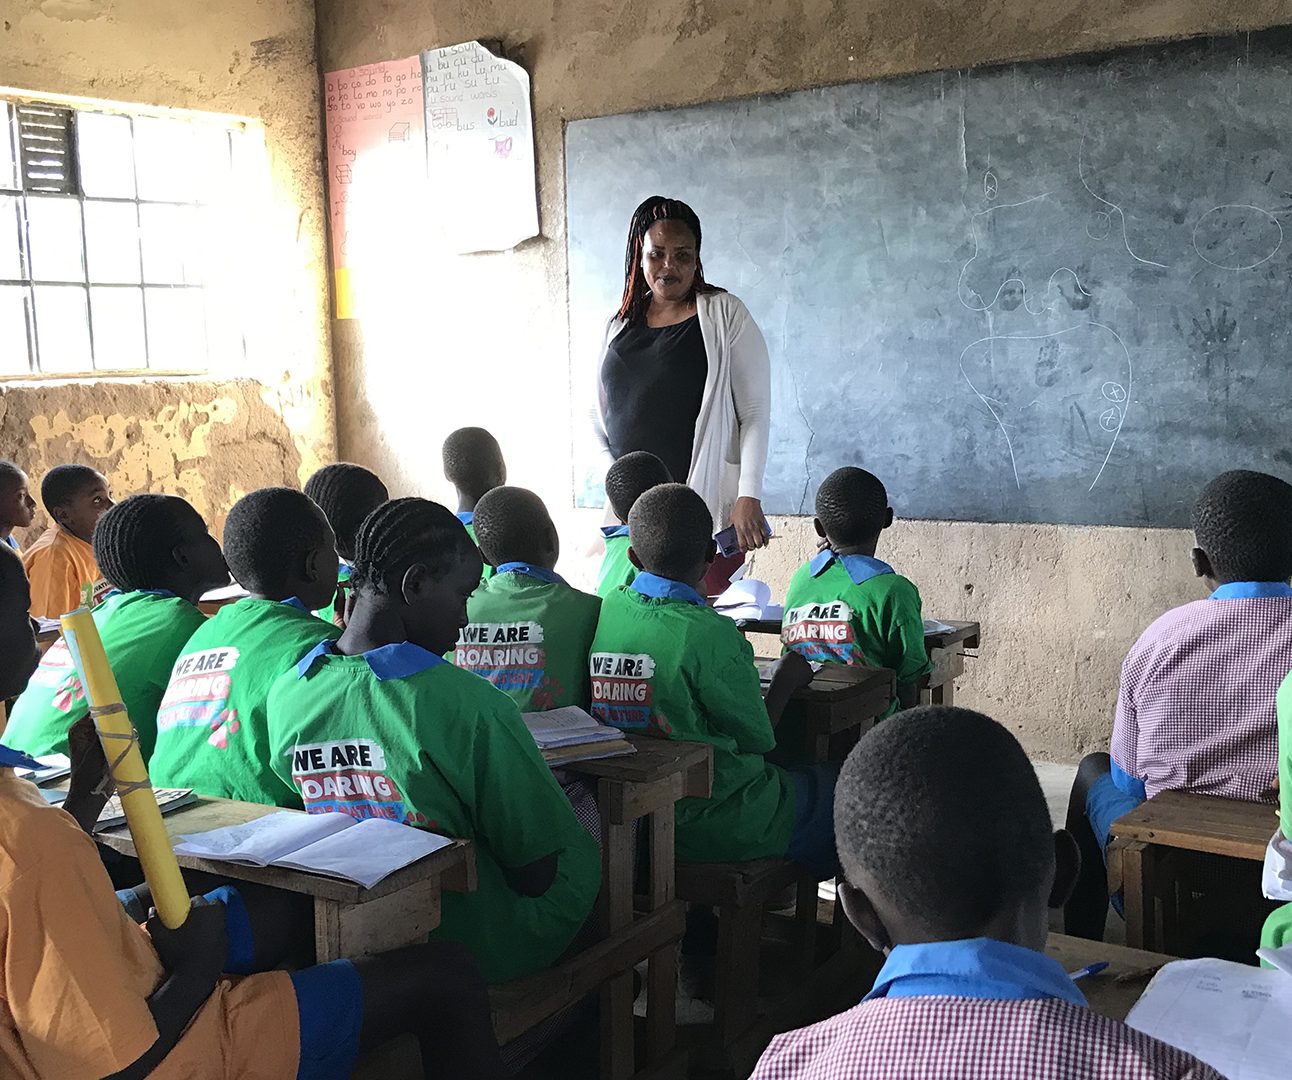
646,785
349,920
1113,991
1143,857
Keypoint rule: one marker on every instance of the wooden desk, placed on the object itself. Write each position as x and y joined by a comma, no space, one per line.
646,785
1114,991
840,697
46,638
349,920
1183,822
947,653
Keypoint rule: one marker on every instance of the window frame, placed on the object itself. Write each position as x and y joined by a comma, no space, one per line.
234,127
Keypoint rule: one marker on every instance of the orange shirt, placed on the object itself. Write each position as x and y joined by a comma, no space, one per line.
75,972
60,566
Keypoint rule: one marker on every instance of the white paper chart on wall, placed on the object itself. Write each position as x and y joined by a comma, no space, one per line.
479,150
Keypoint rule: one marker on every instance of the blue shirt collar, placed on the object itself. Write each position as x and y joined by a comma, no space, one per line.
655,586
466,516
294,602
980,968
11,541
530,570
16,759
859,567
397,661
156,592
1247,590
614,530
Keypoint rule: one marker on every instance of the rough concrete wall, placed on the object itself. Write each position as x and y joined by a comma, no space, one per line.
484,339
209,440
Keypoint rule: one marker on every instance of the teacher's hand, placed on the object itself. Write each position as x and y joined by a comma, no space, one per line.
748,519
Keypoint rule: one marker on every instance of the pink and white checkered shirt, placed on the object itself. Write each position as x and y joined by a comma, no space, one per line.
957,1038
1196,706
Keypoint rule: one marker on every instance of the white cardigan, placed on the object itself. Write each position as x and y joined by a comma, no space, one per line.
729,454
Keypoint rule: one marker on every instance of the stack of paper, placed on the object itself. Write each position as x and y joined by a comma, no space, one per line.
569,734
337,845
932,626
1234,1017
748,598
55,767
168,799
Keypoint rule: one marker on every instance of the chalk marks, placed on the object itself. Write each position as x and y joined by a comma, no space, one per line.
1023,378
1237,236
1012,293
990,185
1113,208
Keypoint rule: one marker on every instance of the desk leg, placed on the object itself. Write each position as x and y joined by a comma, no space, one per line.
661,972
1137,895
617,911
944,694
327,930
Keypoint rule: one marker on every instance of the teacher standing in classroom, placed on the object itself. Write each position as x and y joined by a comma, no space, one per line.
684,374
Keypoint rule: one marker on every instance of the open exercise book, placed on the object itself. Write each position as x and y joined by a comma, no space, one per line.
337,845
748,598
569,734
1235,1018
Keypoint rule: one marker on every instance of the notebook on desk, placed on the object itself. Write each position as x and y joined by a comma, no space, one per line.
1235,1018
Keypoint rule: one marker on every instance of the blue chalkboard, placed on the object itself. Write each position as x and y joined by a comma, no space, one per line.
1046,292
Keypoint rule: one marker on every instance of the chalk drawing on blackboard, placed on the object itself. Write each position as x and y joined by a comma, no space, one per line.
1025,379
1013,293
1113,208
1101,225
990,185
1237,236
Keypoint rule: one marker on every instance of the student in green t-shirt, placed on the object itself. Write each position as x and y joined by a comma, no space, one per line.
626,480
156,551
211,730
1278,927
664,663
473,464
346,494
377,724
529,632
844,606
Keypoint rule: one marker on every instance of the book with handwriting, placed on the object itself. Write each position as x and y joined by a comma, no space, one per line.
336,845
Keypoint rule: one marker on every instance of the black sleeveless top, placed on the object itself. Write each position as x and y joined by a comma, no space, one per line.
653,380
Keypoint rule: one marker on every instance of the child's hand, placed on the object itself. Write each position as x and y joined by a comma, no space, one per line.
85,751
199,946
792,671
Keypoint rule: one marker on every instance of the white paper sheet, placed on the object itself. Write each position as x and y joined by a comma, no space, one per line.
479,150
567,726
932,626
1276,875
1234,1017
264,840
370,851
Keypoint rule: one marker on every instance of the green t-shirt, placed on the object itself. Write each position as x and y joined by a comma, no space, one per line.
211,729
616,569
530,636
665,666
465,517
328,613
142,633
854,610
1278,927
399,734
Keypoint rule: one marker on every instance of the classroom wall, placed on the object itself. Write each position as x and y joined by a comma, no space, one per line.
483,339
209,439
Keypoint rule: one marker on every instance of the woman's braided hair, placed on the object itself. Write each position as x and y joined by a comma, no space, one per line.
404,532
636,292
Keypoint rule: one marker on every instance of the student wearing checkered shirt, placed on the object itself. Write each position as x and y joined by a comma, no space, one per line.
950,867
1196,707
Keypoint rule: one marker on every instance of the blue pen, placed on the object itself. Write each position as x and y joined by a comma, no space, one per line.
1089,969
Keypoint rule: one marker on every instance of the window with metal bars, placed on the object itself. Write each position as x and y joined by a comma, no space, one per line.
117,240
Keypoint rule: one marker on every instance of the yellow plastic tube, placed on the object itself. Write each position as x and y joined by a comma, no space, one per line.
121,747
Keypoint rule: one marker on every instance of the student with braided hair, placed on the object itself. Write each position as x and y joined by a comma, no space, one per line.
212,734
377,724
346,494
159,558
684,374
